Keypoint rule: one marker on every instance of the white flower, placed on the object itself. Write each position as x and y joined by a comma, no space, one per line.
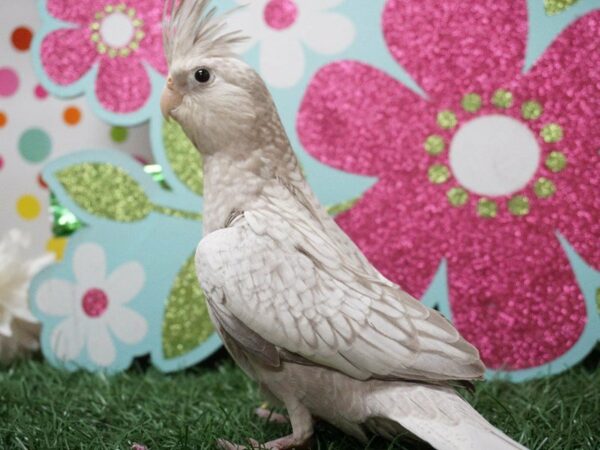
281,27
93,307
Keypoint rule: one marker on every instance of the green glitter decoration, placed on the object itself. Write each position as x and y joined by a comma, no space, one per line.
434,144
531,110
544,188
518,205
556,161
186,322
446,119
553,7
551,133
457,196
502,98
183,156
64,222
342,207
471,102
438,174
487,208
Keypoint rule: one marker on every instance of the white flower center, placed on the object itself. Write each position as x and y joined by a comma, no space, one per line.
494,155
117,30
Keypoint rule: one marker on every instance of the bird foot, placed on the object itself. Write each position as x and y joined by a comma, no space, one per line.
284,443
271,416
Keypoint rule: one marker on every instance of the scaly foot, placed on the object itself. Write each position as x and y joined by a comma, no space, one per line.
284,443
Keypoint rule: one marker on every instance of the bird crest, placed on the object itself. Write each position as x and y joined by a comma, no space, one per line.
191,28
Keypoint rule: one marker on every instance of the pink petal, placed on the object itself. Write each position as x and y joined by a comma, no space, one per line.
151,48
356,118
453,47
67,55
80,11
122,85
513,293
566,81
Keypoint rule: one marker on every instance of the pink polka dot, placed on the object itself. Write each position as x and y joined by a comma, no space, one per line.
1,162
40,92
9,82
94,302
280,14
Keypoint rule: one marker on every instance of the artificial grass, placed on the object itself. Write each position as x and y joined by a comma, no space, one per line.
45,408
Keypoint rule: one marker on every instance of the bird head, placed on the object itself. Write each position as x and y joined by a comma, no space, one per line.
215,96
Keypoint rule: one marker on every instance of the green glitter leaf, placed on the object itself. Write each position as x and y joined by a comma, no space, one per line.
553,7
106,191
186,322
342,207
183,157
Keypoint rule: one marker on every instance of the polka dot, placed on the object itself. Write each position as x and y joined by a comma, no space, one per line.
57,246
9,82
3,119
72,115
119,134
40,92
21,38
1,162
41,182
28,207
35,145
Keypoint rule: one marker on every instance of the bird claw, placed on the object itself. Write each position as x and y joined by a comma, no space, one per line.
284,443
271,416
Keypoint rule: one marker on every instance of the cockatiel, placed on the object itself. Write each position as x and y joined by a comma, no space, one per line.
296,304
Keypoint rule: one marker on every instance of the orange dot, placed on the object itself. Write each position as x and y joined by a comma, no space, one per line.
72,115
21,38
3,119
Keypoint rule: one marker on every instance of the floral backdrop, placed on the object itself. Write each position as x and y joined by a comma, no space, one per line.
468,134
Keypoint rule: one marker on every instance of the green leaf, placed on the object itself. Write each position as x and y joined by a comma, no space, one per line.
106,191
183,157
186,321
557,6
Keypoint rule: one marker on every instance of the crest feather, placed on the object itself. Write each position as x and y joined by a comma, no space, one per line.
191,28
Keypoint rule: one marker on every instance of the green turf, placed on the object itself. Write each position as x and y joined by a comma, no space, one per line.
44,408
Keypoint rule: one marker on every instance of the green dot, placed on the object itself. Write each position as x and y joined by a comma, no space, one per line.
487,208
531,110
552,133
502,98
434,144
119,134
446,119
471,102
35,145
544,188
518,205
438,174
457,196
556,161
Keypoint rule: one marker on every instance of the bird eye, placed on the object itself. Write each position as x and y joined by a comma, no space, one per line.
202,75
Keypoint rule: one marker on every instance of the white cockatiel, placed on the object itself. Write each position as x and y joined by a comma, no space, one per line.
295,302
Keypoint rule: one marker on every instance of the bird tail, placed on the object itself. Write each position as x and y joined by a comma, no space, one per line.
435,414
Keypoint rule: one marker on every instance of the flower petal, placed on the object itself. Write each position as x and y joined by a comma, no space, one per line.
67,339
316,32
128,325
123,85
67,55
81,11
282,60
251,21
125,282
513,294
454,46
89,265
100,345
356,118
56,297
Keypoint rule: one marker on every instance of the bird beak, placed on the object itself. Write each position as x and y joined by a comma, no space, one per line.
170,99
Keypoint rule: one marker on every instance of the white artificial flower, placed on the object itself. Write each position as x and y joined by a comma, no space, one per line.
281,27
93,307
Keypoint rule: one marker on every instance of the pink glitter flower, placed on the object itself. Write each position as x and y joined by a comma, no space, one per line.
484,172
120,36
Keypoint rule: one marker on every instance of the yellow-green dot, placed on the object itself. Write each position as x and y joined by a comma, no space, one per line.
502,98
544,188
457,196
471,102
531,110
119,134
556,161
552,133
438,174
95,37
487,208
434,144
95,26
446,119
109,8
518,205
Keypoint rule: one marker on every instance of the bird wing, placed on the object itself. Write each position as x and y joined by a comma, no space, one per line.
278,273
